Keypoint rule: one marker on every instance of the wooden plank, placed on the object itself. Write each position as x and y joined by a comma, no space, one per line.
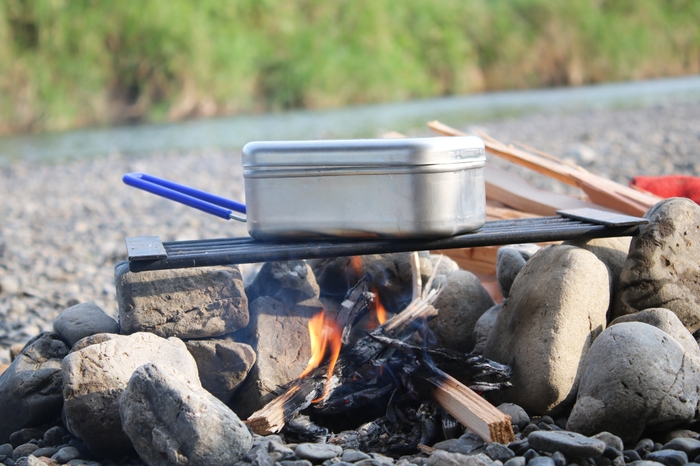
599,190
515,192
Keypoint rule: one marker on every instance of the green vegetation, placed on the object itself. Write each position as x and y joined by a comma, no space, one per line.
70,63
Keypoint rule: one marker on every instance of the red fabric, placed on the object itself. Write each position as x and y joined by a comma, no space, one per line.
670,186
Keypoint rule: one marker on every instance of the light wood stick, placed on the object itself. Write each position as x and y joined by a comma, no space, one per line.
600,190
477,414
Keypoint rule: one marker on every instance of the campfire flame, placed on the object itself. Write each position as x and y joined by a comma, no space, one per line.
325,338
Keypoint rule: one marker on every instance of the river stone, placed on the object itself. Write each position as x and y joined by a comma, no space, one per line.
445,458
95,377
635,376
483,326
662,266
93,340
518,416
460,304
83,320
691,446
174,421
317,452
570,444
557,307
287,281
509,261
391,275
223,364
668,457
196,302
279,335
611,251
31,388
668,321
24,450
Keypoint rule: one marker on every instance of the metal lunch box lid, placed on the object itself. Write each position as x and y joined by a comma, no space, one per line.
362,152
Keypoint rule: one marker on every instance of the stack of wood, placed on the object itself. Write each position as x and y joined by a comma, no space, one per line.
510,196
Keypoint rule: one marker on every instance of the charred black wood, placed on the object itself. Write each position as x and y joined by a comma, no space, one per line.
478,373
301,428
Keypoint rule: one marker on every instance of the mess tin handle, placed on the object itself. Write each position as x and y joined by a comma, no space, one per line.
204,201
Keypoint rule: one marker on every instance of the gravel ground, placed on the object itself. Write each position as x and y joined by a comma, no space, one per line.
62,227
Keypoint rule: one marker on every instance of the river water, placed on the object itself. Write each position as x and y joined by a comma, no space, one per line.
351,122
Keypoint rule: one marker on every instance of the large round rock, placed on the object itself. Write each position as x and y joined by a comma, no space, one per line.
662,266
635,376
172,421
31,388
95,377
557,307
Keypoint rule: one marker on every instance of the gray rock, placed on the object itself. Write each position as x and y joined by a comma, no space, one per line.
31,387
460,304
83,320
279,360
26,435
54,436
353,456
691,446
66,454
541,461
509,261
569,443
95,377
635,376
498,452
611,440
557,307
445,458
172,420
668,321
197,302
518,416
442,265
668,457
93,340
662,266
516,461
317,451
483,327
222,364
6,449
48,452
288,281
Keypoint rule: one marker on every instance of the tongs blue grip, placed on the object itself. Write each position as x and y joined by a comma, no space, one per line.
202,200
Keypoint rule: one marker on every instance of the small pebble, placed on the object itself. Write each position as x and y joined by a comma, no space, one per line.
66,454
558,458
353,456
45,451
516,461
541,461
499,452
24,450
569,443
668,457
317,451
690,446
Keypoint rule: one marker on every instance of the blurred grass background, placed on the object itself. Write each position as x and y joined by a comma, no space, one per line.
75,63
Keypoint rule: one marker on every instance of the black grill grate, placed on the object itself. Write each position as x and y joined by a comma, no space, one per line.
148,253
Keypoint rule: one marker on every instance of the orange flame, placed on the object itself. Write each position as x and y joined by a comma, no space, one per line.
356,265
377,311
325,337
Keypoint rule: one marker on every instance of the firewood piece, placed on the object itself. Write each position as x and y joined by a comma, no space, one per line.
477,414
599,190
357,299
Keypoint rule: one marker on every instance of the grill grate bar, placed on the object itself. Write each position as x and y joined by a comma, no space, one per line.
222,251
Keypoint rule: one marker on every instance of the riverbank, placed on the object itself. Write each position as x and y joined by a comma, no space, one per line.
64,65
63,225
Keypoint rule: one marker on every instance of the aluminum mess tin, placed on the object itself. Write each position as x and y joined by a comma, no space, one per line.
366,188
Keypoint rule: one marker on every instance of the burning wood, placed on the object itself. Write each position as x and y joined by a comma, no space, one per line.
390,365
